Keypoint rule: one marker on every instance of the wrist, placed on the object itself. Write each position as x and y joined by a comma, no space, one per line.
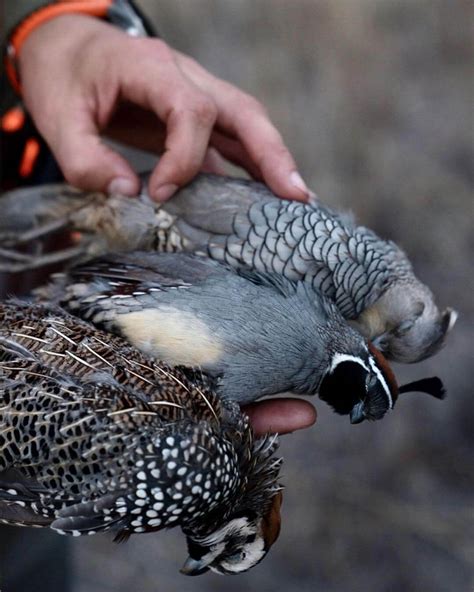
56,41
63,61
59,34
121,13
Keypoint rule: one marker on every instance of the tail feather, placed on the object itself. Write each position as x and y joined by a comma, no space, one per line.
21,503
431,386
90,517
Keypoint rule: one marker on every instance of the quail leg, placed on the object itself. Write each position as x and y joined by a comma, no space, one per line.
12,261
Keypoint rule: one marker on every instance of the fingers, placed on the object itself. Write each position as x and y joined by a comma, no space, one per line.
234,152
142,129
264,145
273,165
88,163
137,127
280,416
213,163
93,69
258,146
267,150
68,90
188,133
187,112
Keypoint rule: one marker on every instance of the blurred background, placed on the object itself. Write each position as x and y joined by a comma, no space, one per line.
374,98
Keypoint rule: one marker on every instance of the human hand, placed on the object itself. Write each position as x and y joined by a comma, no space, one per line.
280,416
82,77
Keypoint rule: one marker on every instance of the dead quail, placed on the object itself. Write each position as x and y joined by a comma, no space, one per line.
244,224
255,334
370,279
95,436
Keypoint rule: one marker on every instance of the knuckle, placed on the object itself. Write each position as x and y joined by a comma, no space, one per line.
279,151
272,155
160,49
185,169
149,52
156,47
205,111
76,172
250,104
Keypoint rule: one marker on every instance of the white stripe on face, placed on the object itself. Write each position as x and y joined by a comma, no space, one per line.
339,358
381,379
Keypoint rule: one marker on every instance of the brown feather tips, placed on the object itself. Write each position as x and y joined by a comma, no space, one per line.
271,523
386,370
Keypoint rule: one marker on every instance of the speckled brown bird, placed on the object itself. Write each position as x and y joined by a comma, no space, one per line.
95,436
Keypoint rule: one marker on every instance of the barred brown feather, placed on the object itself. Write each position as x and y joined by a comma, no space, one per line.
103,438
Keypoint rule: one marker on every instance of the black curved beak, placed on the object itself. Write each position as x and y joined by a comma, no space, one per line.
358,413
193,567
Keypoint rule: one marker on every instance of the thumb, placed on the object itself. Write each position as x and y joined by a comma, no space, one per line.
89,164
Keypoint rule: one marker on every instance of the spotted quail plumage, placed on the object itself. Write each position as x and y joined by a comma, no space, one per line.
255,334
243,224
96,436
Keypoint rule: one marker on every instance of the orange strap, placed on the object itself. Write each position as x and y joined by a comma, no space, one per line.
30,155
97,8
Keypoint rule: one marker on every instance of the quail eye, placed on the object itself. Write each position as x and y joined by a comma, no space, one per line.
236,557
371,384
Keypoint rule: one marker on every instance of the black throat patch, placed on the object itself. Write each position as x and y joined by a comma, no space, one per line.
344,386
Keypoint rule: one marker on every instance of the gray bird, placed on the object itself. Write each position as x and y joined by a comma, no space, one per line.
243,224
370,279
95,436
256,334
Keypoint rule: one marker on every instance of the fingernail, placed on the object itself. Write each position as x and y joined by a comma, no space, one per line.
164,192
297,181
122,186
313,198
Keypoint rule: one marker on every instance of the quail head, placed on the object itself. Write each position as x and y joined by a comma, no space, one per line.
256,334
243,224
95,436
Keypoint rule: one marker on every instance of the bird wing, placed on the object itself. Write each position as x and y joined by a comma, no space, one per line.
70,346
163,270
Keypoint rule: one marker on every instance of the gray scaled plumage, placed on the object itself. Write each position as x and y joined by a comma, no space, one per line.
256,334
370,279
244,224
95,436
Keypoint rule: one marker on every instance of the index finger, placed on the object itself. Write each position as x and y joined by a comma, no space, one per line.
243,117
187,140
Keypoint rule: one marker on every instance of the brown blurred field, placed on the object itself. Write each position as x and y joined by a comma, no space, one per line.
374,99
